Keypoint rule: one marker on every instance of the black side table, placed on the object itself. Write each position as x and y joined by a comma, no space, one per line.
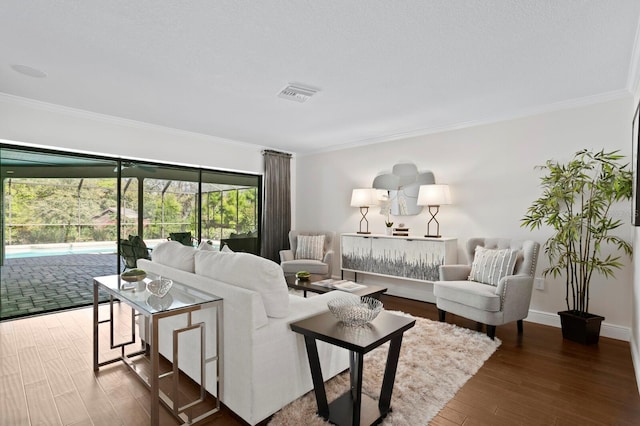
354,408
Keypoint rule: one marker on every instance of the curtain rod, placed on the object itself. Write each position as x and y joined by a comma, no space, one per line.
272,152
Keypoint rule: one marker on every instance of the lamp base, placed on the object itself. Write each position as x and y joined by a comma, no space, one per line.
433,236
363,232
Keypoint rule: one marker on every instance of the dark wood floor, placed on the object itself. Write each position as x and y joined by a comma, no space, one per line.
537,379
540,379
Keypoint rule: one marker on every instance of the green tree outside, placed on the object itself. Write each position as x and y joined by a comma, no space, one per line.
40,211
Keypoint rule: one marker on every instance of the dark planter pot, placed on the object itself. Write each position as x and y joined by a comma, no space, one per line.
580,327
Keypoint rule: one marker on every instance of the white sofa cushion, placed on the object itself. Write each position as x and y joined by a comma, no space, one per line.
469,293
206,246
175,255
251,272
311,266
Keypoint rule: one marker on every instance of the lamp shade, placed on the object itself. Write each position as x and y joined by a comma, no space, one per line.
434,195
364,197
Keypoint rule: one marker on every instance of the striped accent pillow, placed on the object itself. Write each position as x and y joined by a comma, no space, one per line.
310,247
490,265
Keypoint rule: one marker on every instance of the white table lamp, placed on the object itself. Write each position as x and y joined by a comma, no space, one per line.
434,196
364,198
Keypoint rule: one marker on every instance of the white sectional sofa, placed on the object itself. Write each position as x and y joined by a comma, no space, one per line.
265,363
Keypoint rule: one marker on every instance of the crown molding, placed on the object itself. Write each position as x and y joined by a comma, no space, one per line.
557,106
110,119
526,112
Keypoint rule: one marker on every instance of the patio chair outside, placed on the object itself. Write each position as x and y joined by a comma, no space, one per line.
133,249
183,238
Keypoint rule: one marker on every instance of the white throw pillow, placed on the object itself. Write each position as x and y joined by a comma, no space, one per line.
310,247
490,265
206,246
174,254
226,249
251,272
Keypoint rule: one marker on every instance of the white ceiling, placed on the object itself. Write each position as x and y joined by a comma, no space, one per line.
385,68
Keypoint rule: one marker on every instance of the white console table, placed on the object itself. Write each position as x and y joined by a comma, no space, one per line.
411,258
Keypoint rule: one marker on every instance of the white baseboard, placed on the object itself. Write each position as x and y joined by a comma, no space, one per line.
424,292
607,330
635,357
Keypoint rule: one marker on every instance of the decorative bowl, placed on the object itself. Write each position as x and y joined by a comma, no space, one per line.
303,275
159,287
353,311
133,275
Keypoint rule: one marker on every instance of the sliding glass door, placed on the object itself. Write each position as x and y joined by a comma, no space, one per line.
77,207
230,210
158,200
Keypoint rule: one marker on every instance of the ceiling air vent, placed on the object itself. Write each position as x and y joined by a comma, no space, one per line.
296,93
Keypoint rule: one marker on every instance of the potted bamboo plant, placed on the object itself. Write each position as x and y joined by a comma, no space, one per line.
576,203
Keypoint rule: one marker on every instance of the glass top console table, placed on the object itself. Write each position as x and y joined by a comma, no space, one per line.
180,299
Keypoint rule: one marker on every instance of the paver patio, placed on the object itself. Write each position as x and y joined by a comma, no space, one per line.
35,285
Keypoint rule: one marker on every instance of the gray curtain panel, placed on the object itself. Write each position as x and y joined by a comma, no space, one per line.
276,207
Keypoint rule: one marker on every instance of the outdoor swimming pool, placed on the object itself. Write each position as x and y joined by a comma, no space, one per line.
56,252
61,249
23,251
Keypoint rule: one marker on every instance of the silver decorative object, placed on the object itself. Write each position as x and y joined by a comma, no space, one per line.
353,311
159,287
403,184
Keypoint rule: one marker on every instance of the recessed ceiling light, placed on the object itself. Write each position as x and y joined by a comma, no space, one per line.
30,71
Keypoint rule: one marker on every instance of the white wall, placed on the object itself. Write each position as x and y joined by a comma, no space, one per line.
490,169
26,121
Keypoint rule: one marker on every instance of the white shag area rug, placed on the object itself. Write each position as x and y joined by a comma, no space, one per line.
436,359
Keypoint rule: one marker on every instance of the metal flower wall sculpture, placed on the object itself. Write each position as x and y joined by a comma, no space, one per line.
402,184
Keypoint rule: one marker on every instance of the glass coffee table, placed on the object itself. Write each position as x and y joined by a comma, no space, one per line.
310,285
180,299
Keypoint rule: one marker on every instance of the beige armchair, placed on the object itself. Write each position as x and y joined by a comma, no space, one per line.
314,254
494,288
